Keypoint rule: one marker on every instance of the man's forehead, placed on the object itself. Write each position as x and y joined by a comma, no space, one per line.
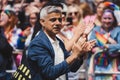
54,14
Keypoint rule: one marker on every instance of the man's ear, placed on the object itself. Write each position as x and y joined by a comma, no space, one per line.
42,22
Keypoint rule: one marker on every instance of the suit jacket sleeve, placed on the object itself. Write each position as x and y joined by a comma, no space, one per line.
41,52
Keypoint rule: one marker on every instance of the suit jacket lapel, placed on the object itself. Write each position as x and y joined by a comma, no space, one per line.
48,43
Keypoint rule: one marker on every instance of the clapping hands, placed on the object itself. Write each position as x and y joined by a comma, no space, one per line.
82,46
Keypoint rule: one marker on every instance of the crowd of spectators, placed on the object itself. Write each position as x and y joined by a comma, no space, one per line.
20,23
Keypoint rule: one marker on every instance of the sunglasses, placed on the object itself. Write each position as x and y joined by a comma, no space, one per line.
71,13
54,19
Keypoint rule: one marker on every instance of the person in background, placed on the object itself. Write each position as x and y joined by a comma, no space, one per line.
5,54
72,22
99,11
70,2
75,29
108,40
89,16
87,13
73,12
15,36
12,33
72,29
35,26
48,58
7,4
4,4
94,5
65,34
39,3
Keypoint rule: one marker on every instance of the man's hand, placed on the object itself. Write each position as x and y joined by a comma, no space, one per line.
78,47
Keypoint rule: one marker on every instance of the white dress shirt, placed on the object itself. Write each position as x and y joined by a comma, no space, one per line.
59,55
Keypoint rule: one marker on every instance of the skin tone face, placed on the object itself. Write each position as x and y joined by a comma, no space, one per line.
97,1
4,1
100,9
17,8
33,18
73,12
69,1
3,19
52,24
107,19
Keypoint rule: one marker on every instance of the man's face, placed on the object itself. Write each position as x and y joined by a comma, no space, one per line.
52,23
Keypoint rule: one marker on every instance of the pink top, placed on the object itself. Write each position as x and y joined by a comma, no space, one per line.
89,18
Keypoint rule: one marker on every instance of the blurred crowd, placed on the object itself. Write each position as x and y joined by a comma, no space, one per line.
20,23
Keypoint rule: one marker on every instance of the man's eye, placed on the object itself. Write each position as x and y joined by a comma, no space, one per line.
60,19
53,19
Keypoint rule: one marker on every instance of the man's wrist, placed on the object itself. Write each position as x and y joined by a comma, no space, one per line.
71,59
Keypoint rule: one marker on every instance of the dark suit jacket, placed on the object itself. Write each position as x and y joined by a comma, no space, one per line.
41,59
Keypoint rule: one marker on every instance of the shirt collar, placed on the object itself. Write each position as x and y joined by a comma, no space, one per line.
51,40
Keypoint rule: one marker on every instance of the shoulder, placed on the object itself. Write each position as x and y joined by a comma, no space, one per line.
39,44
40,38
116,29
96,28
